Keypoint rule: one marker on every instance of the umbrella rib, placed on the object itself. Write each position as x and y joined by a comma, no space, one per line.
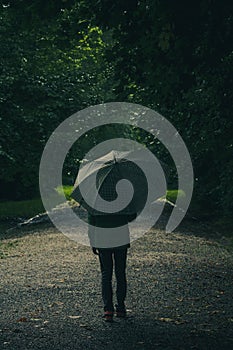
106,175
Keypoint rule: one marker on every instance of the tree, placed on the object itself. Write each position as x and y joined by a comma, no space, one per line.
44,80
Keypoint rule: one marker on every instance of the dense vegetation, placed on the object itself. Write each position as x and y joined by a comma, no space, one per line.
58,57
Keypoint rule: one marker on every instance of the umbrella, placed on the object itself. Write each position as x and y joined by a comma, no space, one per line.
99,187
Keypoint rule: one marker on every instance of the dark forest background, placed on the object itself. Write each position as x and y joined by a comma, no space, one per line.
176,57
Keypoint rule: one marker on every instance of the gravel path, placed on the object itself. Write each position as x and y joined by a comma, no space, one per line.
179,293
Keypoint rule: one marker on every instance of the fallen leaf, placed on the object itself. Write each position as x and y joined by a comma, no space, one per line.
35,319
86,326
180,322
61,280
215,312
166,319
59,303
22,319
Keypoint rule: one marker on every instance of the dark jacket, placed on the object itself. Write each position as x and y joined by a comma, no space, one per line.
108,221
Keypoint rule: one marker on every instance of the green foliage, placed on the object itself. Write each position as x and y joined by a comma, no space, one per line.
172,195
43,82
23,209
58,57
179,62
66,189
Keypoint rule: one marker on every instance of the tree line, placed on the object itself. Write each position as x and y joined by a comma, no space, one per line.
58,57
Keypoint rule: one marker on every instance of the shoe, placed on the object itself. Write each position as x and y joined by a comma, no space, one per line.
108,316
120,311
121,314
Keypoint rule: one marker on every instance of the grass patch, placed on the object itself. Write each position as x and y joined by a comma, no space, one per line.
24,209
29,208
66,189
5,247
172,195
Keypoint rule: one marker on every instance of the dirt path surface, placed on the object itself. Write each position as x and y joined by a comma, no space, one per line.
180,289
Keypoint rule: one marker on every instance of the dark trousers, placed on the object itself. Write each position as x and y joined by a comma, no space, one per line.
106,257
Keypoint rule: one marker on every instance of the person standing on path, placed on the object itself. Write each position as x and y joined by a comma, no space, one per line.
110,256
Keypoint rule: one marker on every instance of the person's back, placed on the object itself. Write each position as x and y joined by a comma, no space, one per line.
117,235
